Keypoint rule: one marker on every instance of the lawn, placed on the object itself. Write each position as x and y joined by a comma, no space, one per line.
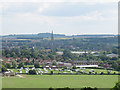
60,81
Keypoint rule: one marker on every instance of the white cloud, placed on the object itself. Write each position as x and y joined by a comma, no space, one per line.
45,4
37,20
43,7
58,21
99,1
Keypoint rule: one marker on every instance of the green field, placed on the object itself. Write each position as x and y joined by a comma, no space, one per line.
60,81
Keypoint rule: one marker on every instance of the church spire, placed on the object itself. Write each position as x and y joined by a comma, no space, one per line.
52,40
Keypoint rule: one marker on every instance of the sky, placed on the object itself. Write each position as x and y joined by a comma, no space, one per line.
70,17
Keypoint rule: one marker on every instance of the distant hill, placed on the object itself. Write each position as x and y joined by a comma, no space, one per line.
48,35
94,35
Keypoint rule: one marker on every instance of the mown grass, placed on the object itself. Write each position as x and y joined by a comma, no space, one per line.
60,81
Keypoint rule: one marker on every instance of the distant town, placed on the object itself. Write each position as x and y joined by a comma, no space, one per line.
56,50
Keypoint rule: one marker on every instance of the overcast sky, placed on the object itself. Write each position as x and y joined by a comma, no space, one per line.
65,17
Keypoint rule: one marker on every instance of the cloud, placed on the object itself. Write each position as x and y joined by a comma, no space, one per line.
63,17
43,7
47,5
9,3
35,1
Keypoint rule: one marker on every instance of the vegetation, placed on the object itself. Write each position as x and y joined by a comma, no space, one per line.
4,68
30,50
36,65
20,65
32,72
117,86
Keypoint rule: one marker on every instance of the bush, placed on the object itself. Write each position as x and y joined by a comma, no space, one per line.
65,67
7,65
36,65
51,89
89,73
51,72
114,73
20,65
88,88
117,86
74,67
108,73
66,88
96,73
101,73
32,72
4,69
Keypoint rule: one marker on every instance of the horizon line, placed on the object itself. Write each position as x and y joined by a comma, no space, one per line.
60,33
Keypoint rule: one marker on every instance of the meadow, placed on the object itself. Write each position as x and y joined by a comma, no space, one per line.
60,81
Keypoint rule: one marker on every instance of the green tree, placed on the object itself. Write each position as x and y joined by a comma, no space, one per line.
54,63
32,72
14,64
12,54
115,51
37,65
66,54
51,56
74,67
20,65
8,55
7,65
4,69
26,63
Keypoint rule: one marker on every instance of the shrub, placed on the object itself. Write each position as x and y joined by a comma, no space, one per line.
51,88
7,65
108,73
20,65
88,88
74,67
4,69
101,73
90,73
117,86
51,72
32,72
114,73
65,67
36,65
96,73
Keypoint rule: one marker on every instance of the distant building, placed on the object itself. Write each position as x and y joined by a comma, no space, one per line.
91,63
59,53
62,64
107,65
52,40
112,55
75,52
86,66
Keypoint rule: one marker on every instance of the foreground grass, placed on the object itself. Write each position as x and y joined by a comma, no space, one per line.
0,81
60,81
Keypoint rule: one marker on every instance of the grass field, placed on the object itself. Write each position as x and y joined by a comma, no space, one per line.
60,81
